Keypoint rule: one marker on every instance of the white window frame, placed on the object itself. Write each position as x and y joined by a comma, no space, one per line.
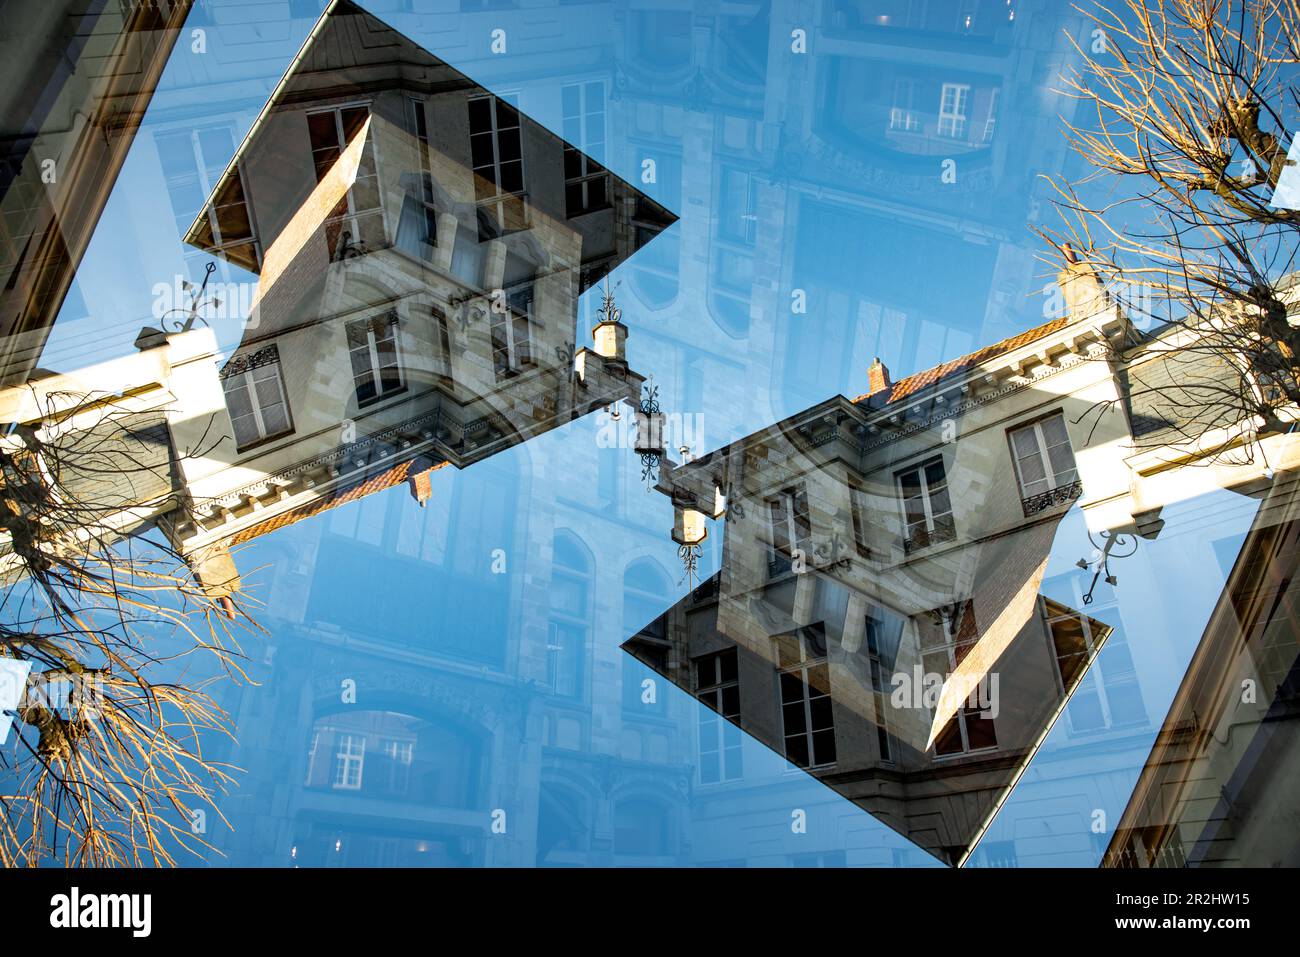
499,197
350,218
927,507
512,323
713,713
747,234
786,499
880,687
953,118
245,380
1040,441
991,121
801,669
902,112
311,755
349,760
209,209
372,348
1095,669
582,145
418,117
949,628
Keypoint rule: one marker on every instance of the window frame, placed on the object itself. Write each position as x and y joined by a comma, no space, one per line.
344,761
957,119
497,201
240,368
353,215
800,671
787,499
1041,447
910,543
372,351
951,622
715,690
418,119
591,169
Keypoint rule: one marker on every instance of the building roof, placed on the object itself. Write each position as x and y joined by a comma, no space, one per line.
914,383
376,483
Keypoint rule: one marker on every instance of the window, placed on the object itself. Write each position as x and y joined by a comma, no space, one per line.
952,110
805,686
902,114
566,637
645,595
398,755
376,365
192,163
859,512
717,685
417,229
255,397
791,528
564,649
655,271
311,757
943,647
496,153
1044,463
738,210
356,224
512,328
349,758
1107,694
586,183
991,122
927,509
882,650
443,328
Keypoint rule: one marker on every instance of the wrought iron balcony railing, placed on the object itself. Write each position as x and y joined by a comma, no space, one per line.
1061,495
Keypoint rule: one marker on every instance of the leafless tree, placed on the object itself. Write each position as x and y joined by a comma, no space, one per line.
1183,111
110,769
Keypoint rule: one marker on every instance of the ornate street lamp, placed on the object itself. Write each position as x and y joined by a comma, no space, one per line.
610,335
198,301
649,434
689,531
1105,553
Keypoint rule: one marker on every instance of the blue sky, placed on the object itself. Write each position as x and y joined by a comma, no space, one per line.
904,249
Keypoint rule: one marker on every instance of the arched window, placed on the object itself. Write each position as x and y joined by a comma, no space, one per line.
566,633
562,831
647,595
641,829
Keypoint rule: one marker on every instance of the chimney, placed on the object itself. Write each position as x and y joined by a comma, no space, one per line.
1081,286
421,486
878,377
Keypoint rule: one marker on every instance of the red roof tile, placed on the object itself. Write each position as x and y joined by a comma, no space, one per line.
918,381
387,479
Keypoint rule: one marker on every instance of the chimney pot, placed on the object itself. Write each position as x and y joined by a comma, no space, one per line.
878,377
421,486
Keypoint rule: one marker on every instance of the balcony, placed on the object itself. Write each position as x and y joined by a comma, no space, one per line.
1052,498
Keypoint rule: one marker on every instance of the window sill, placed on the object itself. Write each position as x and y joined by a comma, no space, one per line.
371,404
262,443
